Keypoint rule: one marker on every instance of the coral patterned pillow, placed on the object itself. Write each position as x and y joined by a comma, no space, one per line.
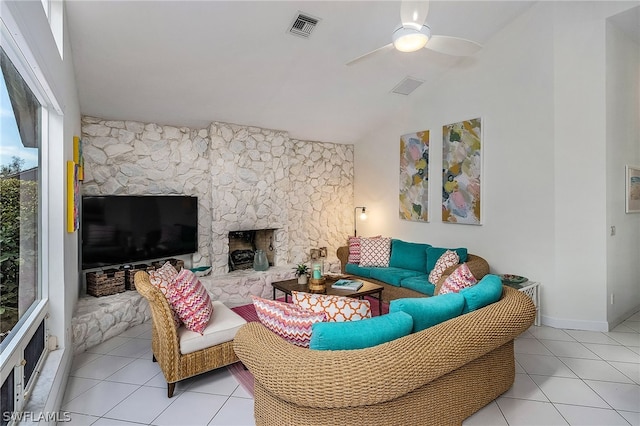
287,320
162,279
188,297
336,308
447,260
459,279
375,252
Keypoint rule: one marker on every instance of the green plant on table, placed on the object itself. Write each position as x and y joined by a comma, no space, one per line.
301,269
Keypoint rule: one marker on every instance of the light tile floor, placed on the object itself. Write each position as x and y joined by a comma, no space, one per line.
562,377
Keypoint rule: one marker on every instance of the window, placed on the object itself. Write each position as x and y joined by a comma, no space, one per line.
20,128
23,303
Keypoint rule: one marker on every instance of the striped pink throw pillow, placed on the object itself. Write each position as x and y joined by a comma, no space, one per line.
288,321
459,279
188,297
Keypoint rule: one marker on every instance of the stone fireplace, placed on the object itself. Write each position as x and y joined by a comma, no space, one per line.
245,178
243,244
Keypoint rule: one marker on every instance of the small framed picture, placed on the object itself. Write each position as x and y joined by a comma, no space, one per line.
633,189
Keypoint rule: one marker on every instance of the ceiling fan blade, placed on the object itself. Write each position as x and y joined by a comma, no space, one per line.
453,46
413,14
366,55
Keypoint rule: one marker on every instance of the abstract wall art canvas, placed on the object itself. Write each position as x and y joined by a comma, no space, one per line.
633,189
462,172
414,176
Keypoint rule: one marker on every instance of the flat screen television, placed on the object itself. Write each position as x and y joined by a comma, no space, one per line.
122,229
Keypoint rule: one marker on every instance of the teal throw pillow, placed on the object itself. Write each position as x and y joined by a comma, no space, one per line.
360,334
434,253
406,255
429,311
488,290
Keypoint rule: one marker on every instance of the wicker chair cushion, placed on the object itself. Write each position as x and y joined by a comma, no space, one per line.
190,300
434,253
459,279
287,320
375,252
335,336
447,260
429,311
336,308
487,291
162,279
407,255
222,327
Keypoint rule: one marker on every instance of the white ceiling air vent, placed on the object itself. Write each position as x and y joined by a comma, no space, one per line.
303,25
407,86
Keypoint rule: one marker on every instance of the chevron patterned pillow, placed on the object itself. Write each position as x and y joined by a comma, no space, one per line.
288,321
190,300
162,279
459,279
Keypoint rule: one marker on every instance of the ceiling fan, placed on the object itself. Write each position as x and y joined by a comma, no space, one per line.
414,34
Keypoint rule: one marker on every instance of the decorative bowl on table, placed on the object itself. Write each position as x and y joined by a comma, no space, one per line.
510,279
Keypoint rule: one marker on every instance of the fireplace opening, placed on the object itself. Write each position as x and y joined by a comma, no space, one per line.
243,244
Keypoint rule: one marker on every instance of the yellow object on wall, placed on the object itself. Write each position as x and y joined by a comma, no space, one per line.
73,197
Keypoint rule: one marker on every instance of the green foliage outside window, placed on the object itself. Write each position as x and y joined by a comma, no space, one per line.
18,212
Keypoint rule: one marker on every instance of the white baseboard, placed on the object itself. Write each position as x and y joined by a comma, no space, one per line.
575,324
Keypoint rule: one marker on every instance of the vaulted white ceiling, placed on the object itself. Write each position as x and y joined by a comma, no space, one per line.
188,63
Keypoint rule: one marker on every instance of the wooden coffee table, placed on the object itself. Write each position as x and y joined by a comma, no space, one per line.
367,289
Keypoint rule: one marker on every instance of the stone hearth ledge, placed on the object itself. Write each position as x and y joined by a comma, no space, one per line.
97,319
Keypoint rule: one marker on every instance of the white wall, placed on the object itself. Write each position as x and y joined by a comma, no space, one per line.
539,87
29,25
623,148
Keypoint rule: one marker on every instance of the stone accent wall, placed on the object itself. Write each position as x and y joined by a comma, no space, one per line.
244,178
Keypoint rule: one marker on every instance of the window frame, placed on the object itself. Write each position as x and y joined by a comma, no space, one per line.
12,348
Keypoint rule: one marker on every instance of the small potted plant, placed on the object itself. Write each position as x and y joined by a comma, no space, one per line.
301,272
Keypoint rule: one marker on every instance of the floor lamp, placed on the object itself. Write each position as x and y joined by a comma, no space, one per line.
363,216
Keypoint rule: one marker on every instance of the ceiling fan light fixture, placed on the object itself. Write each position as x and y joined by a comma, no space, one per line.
410,39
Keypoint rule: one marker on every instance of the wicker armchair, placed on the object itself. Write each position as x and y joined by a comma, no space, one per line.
165,342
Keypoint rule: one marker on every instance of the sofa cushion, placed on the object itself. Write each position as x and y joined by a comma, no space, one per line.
434,253
222,327
333,336
420,284
459,279
429,311
190,300
407,255
363,271
336,308
447,260
392,276
375,252
287,320
487,291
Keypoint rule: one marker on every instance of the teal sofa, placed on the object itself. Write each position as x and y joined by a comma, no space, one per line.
409,267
